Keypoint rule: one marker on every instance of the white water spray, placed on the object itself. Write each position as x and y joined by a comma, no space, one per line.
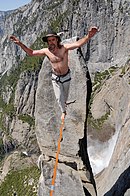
100,153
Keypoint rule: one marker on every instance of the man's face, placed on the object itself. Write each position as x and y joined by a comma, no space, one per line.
52,42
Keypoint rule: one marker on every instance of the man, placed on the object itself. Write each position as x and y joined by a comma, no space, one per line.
58,57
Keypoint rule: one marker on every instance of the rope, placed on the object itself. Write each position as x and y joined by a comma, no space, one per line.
56,162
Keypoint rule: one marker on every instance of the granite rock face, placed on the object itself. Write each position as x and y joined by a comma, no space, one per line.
92,148
114,99
110,47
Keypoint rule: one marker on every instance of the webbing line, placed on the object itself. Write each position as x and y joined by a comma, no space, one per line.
56,162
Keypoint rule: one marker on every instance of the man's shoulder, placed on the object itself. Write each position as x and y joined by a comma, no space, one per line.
63,47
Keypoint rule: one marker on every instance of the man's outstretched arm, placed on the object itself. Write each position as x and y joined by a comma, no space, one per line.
29,51
82,41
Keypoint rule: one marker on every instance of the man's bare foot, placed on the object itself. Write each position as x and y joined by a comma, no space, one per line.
63,116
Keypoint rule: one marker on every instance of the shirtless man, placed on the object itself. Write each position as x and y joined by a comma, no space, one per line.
58,56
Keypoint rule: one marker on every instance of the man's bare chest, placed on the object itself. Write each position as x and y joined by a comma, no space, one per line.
56,57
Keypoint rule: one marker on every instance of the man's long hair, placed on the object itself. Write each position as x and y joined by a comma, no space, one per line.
59,43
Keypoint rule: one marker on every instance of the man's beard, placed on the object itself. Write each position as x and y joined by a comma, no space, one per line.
52,47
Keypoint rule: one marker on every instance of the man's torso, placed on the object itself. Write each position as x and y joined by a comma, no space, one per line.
59,60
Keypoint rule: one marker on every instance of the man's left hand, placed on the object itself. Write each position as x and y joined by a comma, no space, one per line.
92,31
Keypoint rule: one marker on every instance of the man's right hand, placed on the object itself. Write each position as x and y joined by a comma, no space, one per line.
14,39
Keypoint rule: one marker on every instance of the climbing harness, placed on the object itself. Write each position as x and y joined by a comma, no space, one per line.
61,78
56,162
